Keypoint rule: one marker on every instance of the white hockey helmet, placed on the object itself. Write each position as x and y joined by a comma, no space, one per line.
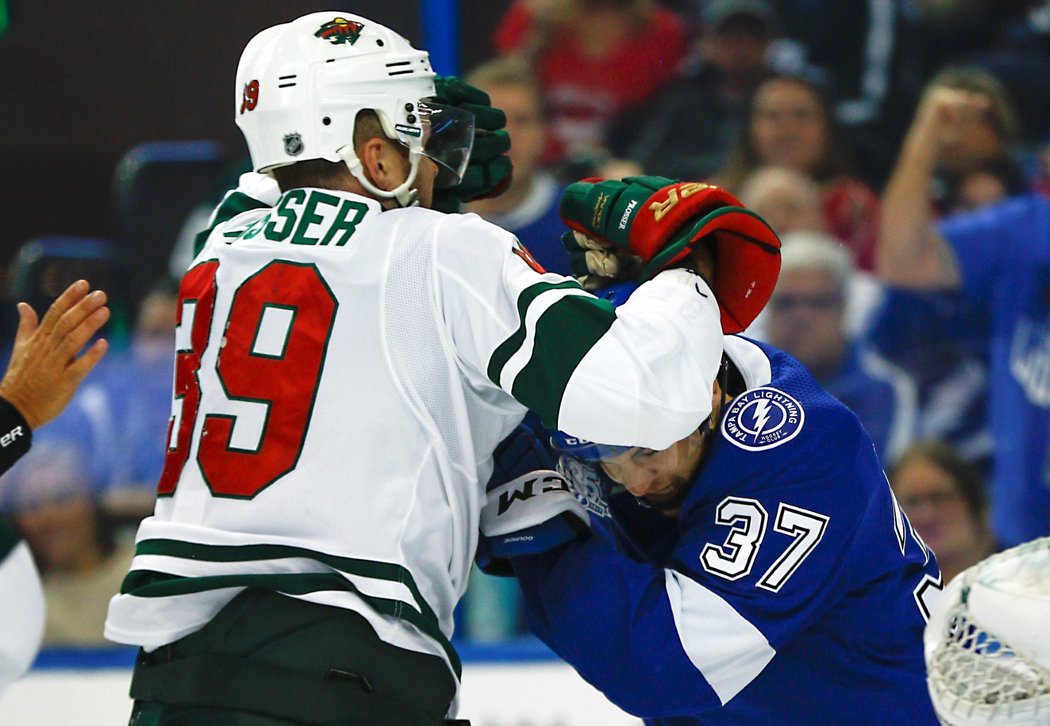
300,86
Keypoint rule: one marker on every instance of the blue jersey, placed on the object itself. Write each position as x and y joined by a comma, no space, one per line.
941,342
883,396
537,223
790,588
1004,261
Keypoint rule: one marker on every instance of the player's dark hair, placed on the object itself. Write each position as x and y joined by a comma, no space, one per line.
324,174
319,173
969,483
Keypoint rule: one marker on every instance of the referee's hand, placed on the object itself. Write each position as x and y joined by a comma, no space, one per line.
46,366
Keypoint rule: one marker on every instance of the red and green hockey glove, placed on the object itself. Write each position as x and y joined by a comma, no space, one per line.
650,223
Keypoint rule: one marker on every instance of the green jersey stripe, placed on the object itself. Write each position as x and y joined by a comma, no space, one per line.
241,553
148,583
510,346
232,204
564,334
244,553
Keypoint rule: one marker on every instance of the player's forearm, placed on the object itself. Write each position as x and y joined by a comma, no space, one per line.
910,252
647,382
609,618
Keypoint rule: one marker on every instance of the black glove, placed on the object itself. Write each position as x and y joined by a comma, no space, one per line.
489,172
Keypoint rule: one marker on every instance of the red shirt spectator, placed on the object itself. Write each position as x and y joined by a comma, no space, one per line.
592,71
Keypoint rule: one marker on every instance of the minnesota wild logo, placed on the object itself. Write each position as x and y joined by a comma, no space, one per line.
340,31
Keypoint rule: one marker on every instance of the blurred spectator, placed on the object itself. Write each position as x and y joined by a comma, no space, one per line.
982,183
980,279
868,56
1008,38
51,497
529,207
806,317
595,60
945,500
985,141
143,398
789,123
788,199
686,131
972,166
48,362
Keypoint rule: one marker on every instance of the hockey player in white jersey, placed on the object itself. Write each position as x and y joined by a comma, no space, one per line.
347,361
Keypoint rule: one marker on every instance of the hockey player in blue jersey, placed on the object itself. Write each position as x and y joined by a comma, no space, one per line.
758,571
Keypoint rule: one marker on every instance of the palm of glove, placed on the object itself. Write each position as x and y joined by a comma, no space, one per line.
597,263
489,172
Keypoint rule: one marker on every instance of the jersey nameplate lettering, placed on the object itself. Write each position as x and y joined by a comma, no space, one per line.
301,217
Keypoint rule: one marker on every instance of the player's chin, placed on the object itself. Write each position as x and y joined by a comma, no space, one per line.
669,499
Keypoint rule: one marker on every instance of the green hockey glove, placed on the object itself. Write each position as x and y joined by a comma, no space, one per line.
489,172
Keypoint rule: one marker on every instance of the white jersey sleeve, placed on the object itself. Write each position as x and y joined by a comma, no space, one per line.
638,375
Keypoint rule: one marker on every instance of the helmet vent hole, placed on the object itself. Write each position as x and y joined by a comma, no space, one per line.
286,81
379,42
399,68
326,121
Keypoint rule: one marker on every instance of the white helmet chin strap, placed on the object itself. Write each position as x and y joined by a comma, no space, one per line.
404,194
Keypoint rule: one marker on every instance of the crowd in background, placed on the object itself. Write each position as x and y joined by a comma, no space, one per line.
801,108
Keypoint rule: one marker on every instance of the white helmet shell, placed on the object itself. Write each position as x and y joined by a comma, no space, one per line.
300,86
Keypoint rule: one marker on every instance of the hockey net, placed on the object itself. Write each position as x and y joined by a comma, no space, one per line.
975,675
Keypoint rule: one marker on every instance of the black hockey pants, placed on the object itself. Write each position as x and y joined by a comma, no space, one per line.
271,660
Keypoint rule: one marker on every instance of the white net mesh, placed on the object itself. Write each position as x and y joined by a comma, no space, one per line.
977,673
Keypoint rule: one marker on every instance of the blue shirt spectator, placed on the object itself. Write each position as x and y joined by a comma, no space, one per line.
997,259
807,317
529,207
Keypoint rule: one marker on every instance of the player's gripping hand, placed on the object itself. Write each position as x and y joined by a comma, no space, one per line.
530,514
635,227
489,171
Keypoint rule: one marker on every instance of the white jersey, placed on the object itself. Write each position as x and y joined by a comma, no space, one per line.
343,375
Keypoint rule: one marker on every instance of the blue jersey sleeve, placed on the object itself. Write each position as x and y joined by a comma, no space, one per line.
1000,235
611,619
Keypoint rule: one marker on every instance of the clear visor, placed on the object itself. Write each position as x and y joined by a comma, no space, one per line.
446,135
584,450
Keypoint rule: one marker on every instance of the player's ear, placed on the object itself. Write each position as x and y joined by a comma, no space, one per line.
383,164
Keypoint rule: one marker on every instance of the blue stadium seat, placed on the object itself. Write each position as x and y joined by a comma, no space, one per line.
157,185
45,266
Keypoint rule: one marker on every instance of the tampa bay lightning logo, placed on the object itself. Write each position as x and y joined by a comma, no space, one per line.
763,418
